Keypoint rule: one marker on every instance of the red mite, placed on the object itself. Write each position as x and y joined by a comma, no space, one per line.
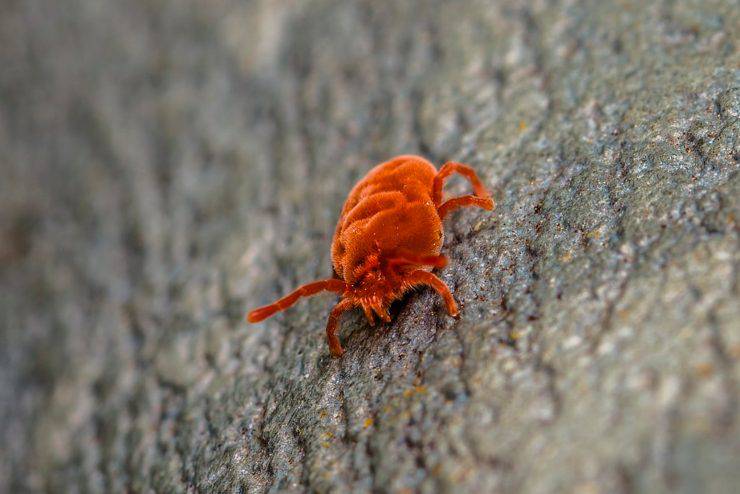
387,241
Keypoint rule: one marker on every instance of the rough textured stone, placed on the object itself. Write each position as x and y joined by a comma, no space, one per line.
168,165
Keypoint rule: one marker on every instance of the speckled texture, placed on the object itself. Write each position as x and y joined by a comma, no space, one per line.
168,165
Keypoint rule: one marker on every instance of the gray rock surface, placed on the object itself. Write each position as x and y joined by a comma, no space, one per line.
168,165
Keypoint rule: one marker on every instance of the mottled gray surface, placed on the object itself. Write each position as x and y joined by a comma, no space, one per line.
168,165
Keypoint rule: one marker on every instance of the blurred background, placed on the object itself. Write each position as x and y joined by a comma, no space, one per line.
166,165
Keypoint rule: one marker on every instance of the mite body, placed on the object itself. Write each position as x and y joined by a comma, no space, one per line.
387,241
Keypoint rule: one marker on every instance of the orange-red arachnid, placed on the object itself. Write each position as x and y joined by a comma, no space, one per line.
387,241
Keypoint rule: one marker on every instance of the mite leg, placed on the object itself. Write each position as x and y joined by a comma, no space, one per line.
411,258
307,290
480,198
331,327
469,200
426,278
369,314
383,313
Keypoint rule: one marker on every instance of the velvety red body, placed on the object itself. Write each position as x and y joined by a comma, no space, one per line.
388,212
388,239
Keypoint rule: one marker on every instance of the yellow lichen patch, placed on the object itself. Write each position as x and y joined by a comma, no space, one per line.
705,369
415,390
326,437
596,234
566,257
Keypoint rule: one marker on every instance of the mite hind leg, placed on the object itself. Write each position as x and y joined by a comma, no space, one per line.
481,198
458,202
409,258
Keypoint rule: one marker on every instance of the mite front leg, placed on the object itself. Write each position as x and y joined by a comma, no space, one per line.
382,312
331,327
427,278
332,285
369,314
